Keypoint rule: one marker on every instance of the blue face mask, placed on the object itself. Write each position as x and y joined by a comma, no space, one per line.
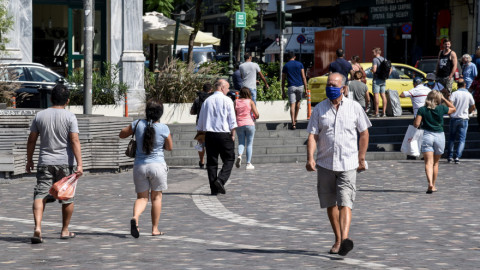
430,83
333,92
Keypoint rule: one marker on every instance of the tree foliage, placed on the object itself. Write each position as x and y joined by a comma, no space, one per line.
6,24
163,6
249,10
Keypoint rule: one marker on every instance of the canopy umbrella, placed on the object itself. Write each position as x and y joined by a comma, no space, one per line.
158,29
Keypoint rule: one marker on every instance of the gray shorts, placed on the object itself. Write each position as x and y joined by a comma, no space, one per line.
150,176
47,175
295,93
336,188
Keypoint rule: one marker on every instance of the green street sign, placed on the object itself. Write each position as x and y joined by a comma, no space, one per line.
240,19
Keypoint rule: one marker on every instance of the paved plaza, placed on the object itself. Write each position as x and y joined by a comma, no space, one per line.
269,219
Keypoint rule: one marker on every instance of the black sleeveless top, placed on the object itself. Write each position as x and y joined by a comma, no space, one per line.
445,65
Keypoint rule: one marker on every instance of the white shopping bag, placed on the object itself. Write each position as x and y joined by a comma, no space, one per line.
412,142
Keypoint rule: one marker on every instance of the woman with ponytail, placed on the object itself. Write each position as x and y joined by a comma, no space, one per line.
149,169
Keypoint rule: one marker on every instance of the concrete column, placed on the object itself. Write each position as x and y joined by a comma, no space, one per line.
20,46
126,49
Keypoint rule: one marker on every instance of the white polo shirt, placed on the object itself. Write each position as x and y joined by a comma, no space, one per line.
462,100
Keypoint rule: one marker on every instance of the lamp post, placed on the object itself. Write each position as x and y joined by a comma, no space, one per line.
262,6
230,59
178,17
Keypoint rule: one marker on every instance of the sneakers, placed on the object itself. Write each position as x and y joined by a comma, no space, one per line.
449,160
238,162
250,166
456,160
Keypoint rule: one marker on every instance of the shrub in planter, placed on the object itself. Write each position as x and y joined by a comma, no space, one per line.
178,82
106,88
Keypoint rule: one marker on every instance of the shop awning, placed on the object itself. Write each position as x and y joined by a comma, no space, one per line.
158,29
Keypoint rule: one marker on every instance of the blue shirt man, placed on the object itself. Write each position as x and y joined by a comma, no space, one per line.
294,73
341,65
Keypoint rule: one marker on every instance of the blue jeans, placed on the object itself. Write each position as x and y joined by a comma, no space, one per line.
457,126
245,135
253,91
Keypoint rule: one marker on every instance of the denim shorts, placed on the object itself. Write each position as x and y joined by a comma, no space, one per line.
433,142
378,86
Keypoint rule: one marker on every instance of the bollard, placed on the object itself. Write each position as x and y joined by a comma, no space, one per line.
126,105
14,102
309,104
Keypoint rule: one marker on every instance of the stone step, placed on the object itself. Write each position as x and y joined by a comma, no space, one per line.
257,150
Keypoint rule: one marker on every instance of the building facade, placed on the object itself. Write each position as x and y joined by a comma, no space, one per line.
416,27
51,33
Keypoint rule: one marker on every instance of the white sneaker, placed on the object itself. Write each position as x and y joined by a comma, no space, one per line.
238,162
250,166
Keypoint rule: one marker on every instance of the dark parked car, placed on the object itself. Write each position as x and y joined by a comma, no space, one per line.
37,82
428,64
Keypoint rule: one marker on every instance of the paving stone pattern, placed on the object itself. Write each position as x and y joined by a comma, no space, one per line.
269,219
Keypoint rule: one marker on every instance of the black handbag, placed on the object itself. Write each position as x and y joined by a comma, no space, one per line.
132,145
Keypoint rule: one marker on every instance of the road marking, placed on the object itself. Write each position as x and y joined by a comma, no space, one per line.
331,258
211,206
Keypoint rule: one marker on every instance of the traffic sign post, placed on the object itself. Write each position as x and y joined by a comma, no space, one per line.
301,39
240,19
406,30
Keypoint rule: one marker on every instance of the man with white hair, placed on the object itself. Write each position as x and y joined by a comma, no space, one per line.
217,119
333,129
469,70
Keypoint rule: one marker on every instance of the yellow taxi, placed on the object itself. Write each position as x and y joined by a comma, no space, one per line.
401,79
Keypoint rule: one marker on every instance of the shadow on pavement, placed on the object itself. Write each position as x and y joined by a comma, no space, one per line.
15,239
389,190
103,233
280,251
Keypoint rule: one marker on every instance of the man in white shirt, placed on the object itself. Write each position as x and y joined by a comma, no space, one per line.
217,119
249,71
418,94
332,130
464,103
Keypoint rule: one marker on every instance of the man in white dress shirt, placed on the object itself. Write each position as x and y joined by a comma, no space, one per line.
217,118
332,130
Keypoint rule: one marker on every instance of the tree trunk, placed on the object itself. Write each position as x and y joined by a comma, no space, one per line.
196,27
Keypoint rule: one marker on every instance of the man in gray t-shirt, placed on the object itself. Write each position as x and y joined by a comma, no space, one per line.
249,71
59,146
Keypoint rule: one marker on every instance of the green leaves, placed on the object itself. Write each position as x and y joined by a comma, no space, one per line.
162,6
106,87
178,82
6,24
249,10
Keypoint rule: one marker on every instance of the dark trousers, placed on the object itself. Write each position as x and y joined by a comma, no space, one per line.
219,143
